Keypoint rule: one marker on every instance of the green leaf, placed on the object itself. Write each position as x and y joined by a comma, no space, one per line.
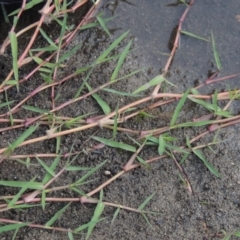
192,124
142,206
69,54
11,227
207,164
97,213
146,219
237,233
53,166
49,40
111,47
31,185
6,104
21,139
188,142
48,169
77,168
207,105
194,36
43,200
115,123
34,109
56,216
28,5
14,47
115,215
19,194
121,93
84,226
179,108
105,107
215,52
114,144
215,97
82,179
155,81
177,149
161,145
185,156
103,25
70,235
120,61
142,161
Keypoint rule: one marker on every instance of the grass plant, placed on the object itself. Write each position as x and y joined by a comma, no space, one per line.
49,60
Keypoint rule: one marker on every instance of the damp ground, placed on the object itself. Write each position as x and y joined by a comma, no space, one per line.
215,202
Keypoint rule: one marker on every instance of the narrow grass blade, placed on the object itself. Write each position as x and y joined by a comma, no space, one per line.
155,81
45,49
34,109
145,114
215,52
179,108
175,148
77,168
185,156
84,226
32,185
237,233
120,61
188,142
14,46
27,6
142,161
97,213
142,206
121,93
15,234
146,219
215,101
161,145
207,164
48,39
70,235
24,135
47,168
136,142
58,143
105,107
87,175
194,36
78,191
95,24
56,216
11,227
103,25
111,47
115,215
114,144
53,166
205,104
11,82
43,200
192,124
6,104
69,54
115,124
153,139
19,194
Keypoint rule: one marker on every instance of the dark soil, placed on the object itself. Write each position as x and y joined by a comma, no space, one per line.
215,203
